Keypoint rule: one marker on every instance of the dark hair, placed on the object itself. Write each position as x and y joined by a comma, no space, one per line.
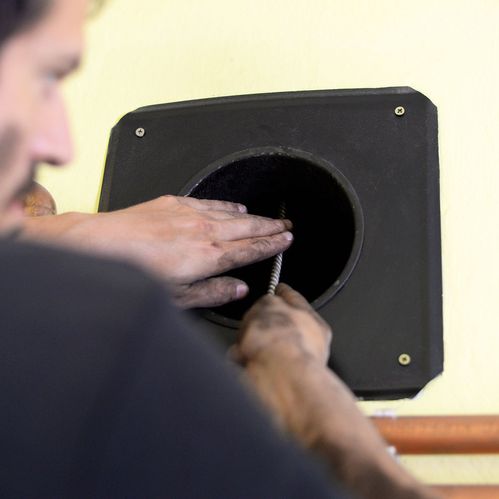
17,15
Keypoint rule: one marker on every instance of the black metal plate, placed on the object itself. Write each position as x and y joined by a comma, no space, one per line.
392,302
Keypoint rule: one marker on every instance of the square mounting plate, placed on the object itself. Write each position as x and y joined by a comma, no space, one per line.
387,318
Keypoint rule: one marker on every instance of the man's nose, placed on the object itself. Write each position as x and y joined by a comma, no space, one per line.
52,141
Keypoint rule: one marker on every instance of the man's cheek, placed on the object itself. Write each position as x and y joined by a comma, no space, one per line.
9,144
11,213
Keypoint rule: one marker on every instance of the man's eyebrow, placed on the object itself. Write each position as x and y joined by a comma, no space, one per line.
68,64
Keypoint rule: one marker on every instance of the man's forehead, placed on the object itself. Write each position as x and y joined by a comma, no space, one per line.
60,31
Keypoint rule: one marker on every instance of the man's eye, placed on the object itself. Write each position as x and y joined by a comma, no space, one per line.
51,77
49,81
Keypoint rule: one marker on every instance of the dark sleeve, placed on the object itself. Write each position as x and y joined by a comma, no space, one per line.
106,391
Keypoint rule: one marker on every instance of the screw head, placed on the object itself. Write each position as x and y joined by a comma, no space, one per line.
399,111
404,359
140,132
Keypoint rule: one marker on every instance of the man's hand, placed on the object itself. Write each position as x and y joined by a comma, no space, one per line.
279,336
284,347
185,240
284,324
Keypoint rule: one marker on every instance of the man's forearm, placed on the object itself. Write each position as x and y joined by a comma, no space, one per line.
51,227
318,409
187,242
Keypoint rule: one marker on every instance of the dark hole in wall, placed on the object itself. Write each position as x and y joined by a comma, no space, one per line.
316,203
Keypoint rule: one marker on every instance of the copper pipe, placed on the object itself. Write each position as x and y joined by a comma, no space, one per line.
441,434
467,491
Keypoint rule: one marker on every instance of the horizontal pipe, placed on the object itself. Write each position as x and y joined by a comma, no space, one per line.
467,491
441,434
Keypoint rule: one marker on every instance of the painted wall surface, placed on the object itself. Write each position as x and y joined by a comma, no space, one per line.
157,51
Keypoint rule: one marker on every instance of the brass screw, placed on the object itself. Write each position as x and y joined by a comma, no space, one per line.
404,359
140,132
399,111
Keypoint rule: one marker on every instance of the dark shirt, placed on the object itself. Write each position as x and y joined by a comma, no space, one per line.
107,391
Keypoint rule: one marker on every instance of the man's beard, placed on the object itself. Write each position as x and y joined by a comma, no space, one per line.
28,185
9,142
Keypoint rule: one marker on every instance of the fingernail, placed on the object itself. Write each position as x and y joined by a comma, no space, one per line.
288,236
242,208
288,223
241,290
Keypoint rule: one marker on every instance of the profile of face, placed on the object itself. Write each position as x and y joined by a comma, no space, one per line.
33,122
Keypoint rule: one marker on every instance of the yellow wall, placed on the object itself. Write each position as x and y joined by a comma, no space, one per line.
154,51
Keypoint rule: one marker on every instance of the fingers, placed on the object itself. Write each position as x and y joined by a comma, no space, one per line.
208,205
210,292
292,297
298,301
250,226
284,323
239,253
261,306
235,223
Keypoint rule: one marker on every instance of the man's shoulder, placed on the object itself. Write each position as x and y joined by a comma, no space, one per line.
49,266
47,283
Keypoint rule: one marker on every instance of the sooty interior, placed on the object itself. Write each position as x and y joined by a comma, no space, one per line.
318,206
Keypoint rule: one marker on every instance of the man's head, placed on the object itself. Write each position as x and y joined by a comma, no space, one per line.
41,41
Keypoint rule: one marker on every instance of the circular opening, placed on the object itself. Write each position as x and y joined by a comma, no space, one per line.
324,209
